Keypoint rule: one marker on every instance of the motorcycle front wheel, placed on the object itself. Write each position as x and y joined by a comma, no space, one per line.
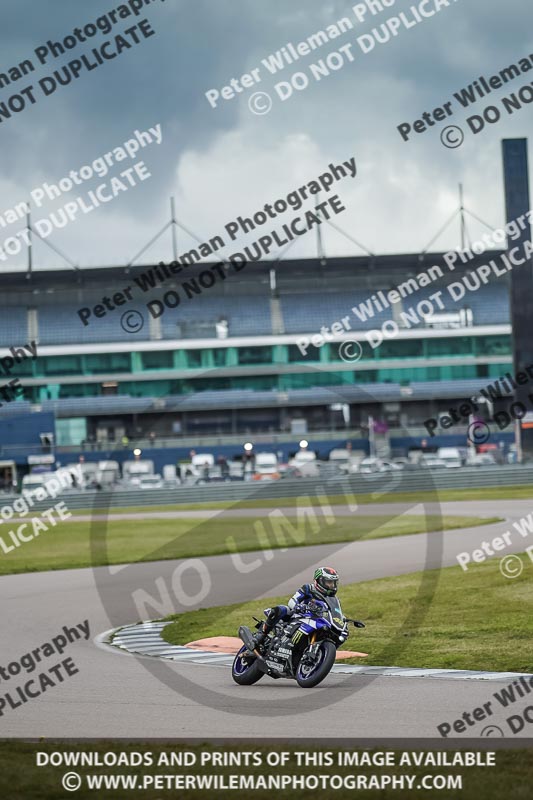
311,674
245,669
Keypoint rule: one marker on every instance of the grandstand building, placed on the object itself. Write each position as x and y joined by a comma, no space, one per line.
246,356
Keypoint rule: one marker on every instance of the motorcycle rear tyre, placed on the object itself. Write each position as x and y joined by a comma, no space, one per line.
250,675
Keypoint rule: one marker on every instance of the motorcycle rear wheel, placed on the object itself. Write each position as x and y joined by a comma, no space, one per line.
307,677
245,670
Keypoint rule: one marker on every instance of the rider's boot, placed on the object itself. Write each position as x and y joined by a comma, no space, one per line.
262,634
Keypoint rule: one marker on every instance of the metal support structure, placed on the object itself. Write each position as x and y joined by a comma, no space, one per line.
319,247
52,247
30,247
350,238
461,213
371,437
174,223
517,205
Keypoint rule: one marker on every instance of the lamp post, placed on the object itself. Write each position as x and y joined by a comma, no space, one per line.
247,466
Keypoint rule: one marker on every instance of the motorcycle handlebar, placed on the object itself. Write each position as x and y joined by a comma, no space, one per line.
305,606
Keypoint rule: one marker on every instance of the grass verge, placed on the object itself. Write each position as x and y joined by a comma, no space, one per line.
488,493
68,545
475,620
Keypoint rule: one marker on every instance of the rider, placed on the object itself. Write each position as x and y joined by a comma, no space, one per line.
325,584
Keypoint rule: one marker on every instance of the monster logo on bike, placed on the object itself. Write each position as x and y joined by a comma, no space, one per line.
302,645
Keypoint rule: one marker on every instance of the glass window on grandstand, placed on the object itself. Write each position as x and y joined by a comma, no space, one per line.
255,355
107,362
194,358
158,359
295,354
75,390
60,365
494,345
401,349
463,345
220,356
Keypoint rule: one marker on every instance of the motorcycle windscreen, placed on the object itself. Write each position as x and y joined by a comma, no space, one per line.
336,611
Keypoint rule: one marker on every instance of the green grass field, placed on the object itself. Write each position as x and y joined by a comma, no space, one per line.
474,620
85,544
491,493
21,779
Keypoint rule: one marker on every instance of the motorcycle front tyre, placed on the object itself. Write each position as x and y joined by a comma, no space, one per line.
329,652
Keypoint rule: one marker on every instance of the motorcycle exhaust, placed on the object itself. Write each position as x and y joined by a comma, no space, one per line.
246,636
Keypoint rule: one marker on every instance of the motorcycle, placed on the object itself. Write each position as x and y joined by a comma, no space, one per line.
302,647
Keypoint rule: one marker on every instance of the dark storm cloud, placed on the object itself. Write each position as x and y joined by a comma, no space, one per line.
161,81
202,44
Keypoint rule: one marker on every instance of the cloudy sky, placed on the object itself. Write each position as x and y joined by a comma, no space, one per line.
219,163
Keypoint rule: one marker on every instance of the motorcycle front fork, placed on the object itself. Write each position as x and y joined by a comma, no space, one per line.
311,654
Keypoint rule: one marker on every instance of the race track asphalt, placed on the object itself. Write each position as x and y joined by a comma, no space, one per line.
117,695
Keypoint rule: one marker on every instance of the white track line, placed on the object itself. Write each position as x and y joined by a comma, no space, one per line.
144,639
